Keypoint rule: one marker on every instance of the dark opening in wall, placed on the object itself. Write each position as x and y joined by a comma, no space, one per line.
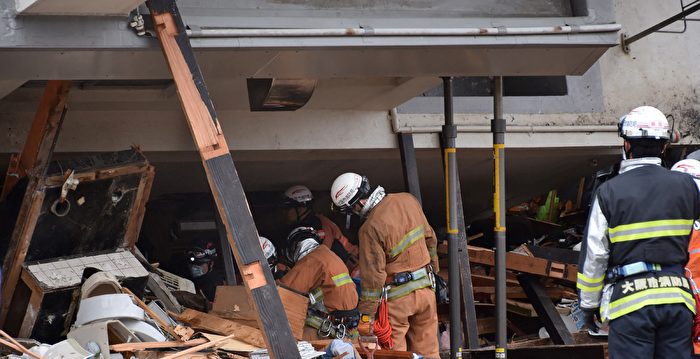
512,86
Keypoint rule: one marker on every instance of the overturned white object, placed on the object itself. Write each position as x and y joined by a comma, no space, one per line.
143,330
108,306
101,333
100,283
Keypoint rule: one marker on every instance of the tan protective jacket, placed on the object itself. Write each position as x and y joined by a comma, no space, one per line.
325,270
395,238
330,232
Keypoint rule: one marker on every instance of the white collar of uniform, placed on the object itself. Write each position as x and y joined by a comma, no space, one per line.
628,165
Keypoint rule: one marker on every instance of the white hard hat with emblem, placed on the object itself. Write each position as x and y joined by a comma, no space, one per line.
298,195
644,122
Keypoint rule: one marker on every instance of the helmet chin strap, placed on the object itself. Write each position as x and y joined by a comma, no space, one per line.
372,201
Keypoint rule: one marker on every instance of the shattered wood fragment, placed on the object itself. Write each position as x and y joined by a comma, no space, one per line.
216,325
199,347
185,333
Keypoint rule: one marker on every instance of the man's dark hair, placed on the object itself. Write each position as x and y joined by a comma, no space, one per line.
646,147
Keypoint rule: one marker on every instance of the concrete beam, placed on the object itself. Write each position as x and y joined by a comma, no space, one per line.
7,86
76,7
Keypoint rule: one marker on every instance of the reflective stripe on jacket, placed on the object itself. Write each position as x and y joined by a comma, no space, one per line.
395,238
644,214
323,269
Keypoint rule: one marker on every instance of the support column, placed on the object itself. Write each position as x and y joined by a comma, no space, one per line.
498,128
227,253
470,325
223,179
449,132
408,162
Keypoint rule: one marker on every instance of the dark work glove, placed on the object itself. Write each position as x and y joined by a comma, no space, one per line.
590,316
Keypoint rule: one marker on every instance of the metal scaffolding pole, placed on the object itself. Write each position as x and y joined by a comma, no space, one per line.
498,128
449,132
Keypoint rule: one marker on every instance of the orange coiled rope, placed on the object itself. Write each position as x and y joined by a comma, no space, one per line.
382,327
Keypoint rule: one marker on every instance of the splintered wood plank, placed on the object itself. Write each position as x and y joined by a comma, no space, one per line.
216,325
225,185
130,347
48,121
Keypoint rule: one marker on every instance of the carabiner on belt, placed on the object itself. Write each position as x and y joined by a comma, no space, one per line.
326,328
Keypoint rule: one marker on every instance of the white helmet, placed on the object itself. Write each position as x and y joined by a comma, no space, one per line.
644,122
300,242
348,189
267,247
298,196
695,155
689,166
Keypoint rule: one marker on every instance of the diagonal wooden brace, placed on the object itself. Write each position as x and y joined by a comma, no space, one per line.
223,179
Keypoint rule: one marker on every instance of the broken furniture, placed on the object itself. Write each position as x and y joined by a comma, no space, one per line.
44,299
100,215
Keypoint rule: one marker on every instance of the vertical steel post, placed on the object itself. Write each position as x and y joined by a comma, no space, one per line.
449,132
498,128
408,163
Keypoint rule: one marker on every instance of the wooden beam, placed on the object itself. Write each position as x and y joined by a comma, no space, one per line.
526,264
44,128
227,253
480,280
545,310
216,325
133,227
512,292
408,163
41,143
130,347
226,187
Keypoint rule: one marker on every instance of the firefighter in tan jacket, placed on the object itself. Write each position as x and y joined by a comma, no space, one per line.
321,274
397,259
298,204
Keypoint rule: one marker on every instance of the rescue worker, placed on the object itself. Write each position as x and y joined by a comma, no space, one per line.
692,167
397,247
635,246
298,203
270,253
320,274
201,258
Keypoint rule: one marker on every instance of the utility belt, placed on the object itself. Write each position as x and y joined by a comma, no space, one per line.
618,273
338,324
404,283
633,286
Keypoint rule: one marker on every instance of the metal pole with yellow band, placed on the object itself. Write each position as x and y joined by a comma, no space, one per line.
449,132
498,128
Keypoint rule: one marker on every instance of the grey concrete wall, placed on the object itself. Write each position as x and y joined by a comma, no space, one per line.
662,70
